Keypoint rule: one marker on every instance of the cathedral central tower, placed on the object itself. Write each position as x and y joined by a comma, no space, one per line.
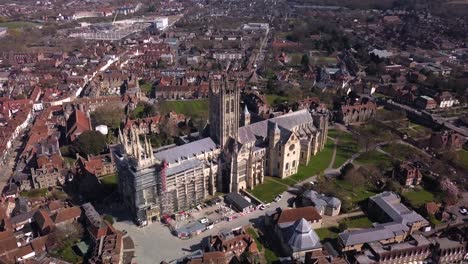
224,113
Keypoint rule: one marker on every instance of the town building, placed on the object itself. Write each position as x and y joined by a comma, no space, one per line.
325,205
77,123
415,250
232,243
397,223
358,112
294,229
408,174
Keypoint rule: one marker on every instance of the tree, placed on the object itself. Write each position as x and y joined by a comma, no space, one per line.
305,61
109,219
355,177
108,115
90,143
343,226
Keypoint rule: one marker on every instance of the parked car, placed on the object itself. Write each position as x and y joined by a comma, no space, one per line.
204,220
463,210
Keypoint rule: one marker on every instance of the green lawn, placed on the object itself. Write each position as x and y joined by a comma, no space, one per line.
418,198
347,146
317,163
273,98
376,158
35,193
354,194
461,158
358,222
192,108
17,24
110,179
146,88
268,190
402,152
327,232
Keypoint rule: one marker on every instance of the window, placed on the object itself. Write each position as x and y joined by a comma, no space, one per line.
294,163
287,166
278,165
227,106
232,105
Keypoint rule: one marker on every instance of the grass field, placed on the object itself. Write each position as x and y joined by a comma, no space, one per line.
317,163
418,198
352,193
358,222
327,232
192,108
461,158
268,190
110,179
271,187
146,88
35,193
375,158
273,98
347,146
17,24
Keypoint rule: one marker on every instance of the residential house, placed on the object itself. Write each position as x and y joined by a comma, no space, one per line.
232,243
408,174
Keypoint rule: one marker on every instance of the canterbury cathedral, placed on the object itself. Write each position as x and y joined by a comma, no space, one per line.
233,158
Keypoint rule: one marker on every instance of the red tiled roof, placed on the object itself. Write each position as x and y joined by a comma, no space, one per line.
290,215
66,214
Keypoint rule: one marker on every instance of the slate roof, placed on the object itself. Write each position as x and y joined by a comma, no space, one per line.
389,204
301,236
237,200
321,201
286,123
183,166
186,151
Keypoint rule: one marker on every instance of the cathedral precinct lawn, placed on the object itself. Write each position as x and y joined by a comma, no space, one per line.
376,158
417,198
272,186
317,163
192,108
354,194
268,190
346,147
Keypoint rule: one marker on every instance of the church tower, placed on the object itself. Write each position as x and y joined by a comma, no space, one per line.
224,110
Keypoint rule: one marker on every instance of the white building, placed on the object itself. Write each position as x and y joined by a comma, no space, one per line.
161,23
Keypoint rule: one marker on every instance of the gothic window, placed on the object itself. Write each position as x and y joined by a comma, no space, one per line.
232,105
227,106
287,166
294,163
